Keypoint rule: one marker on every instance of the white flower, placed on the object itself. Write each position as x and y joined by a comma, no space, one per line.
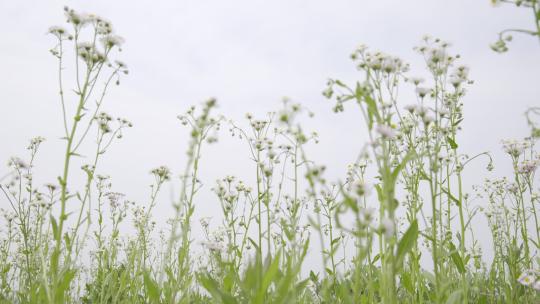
360,188
162,173
411,108
388,227
366,215
389,65
213,246
528,166
385,131
437,55
361,47
79,19
110,41
444,112
422,91
462,71
427,119
17,163
103,27
205,221
527,278
58,31
456,80
120,64
416,80
536,285
514,147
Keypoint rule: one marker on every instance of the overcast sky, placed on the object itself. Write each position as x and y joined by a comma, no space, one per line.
249,54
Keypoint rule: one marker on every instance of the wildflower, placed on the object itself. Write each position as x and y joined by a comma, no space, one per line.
58,31
437,55
366,215
120,64
427,119
390,65
514,147
499,46
361,48
416,80
85,47
387,227
162,173
88,52
103,120
79,19
17,163
385,131
528,166
422,91
213,246
37,140
114,199
89,169
104,27
411,108
462,71
527,278
258,124
360,188
456,81
51,187
205,222
110,41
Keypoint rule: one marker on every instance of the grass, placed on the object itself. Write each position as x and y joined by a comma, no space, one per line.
401,203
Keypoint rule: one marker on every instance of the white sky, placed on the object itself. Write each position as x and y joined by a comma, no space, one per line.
249,54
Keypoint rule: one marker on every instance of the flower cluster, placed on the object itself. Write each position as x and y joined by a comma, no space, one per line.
515,147
229,189
378,61
161,173
435,52
87,51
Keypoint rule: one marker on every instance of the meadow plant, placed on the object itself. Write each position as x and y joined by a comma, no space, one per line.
398,228
505,36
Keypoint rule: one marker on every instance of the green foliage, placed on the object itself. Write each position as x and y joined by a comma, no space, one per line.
65,245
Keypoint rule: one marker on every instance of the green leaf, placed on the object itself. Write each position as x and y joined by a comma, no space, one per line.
401,165
55,228
267,279
151,288
453,198
457,122
213,288
380,195
407,282
406,243
373,112
452,143
456,258
455,297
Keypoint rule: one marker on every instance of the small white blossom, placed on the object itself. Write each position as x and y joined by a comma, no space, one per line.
388,227
527,278
422,91
367,215
110,41
515,148
385,131
213,246
58,31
